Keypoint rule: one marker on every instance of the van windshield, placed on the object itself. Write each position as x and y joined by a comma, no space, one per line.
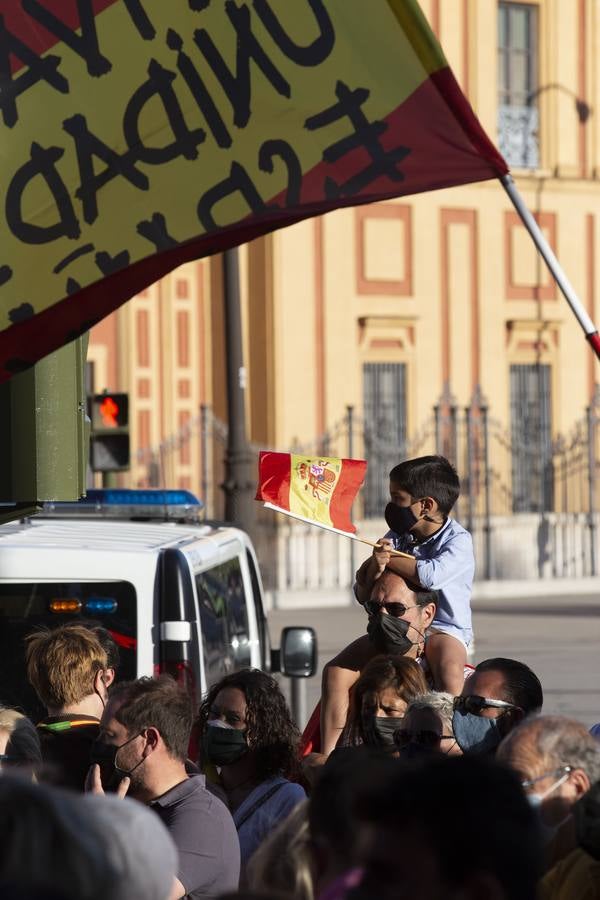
27,606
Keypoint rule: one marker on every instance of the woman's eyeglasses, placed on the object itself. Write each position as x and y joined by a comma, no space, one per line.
402,738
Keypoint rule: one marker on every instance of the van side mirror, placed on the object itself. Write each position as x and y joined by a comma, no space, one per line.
297,656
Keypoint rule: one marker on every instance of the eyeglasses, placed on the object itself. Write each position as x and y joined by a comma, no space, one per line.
396,610
475,704
402,738
565,770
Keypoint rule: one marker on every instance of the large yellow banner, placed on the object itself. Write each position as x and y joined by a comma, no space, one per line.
137,134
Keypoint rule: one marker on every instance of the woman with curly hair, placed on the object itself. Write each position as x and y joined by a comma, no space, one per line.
379,700
246,732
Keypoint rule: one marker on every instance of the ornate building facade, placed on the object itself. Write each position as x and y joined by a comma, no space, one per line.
432,317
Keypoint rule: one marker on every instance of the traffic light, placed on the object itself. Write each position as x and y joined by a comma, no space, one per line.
109,441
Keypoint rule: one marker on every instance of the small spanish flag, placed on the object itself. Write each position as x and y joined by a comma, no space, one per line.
319,489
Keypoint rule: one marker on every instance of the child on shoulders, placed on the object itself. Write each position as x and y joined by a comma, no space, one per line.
423,492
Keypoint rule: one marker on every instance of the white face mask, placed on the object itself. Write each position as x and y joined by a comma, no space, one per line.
536,801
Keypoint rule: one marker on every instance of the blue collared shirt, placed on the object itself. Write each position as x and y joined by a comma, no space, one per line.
445,563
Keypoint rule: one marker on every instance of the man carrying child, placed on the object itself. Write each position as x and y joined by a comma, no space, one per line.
423,492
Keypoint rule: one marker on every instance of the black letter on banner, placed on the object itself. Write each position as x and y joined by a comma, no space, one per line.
38,69
315,53
238,180
199,91
283,150
160,84
365,136
155,231
85,44
21,313
88,146
237,87
140,19
109,264
42,163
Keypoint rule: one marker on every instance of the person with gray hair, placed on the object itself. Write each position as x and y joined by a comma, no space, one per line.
558,761
86,847
427,726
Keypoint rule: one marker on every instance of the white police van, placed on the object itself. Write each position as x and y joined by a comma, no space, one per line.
177,594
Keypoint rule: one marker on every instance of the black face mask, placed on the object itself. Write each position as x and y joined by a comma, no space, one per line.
400,518
379,730
106,756
223,746
389,634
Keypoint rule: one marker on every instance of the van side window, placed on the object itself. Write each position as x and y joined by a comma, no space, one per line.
223,619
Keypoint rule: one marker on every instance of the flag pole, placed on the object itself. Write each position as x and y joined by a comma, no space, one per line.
322,525
590,330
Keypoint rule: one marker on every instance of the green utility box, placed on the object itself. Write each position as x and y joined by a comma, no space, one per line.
45,433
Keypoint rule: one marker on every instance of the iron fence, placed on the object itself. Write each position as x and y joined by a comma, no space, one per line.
508,478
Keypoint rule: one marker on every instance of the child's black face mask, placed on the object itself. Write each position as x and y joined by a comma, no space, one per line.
400,519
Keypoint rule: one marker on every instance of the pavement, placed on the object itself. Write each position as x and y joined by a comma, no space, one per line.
558,636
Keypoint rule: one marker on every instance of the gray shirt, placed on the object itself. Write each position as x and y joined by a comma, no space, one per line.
205,836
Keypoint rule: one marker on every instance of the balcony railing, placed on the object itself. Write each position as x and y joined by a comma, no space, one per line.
518,137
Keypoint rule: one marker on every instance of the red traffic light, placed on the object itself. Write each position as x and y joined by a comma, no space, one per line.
109,411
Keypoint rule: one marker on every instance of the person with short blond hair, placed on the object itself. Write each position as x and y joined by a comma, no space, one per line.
69,671
19,742
62,665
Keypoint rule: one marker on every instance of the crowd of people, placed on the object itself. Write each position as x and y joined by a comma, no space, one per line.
410,780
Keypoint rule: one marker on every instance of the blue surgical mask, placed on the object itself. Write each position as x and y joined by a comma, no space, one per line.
548,832
475,734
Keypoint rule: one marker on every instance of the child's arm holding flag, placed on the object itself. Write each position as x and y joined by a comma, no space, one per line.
383,557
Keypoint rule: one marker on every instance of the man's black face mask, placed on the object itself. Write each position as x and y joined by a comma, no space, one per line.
389,634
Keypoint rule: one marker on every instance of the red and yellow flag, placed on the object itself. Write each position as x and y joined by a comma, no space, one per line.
320,489
139,134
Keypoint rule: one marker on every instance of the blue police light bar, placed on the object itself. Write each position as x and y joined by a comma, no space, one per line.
101,605
129,497
125,503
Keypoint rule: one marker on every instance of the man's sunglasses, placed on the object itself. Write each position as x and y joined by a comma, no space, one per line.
402,738
396,610
475,704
